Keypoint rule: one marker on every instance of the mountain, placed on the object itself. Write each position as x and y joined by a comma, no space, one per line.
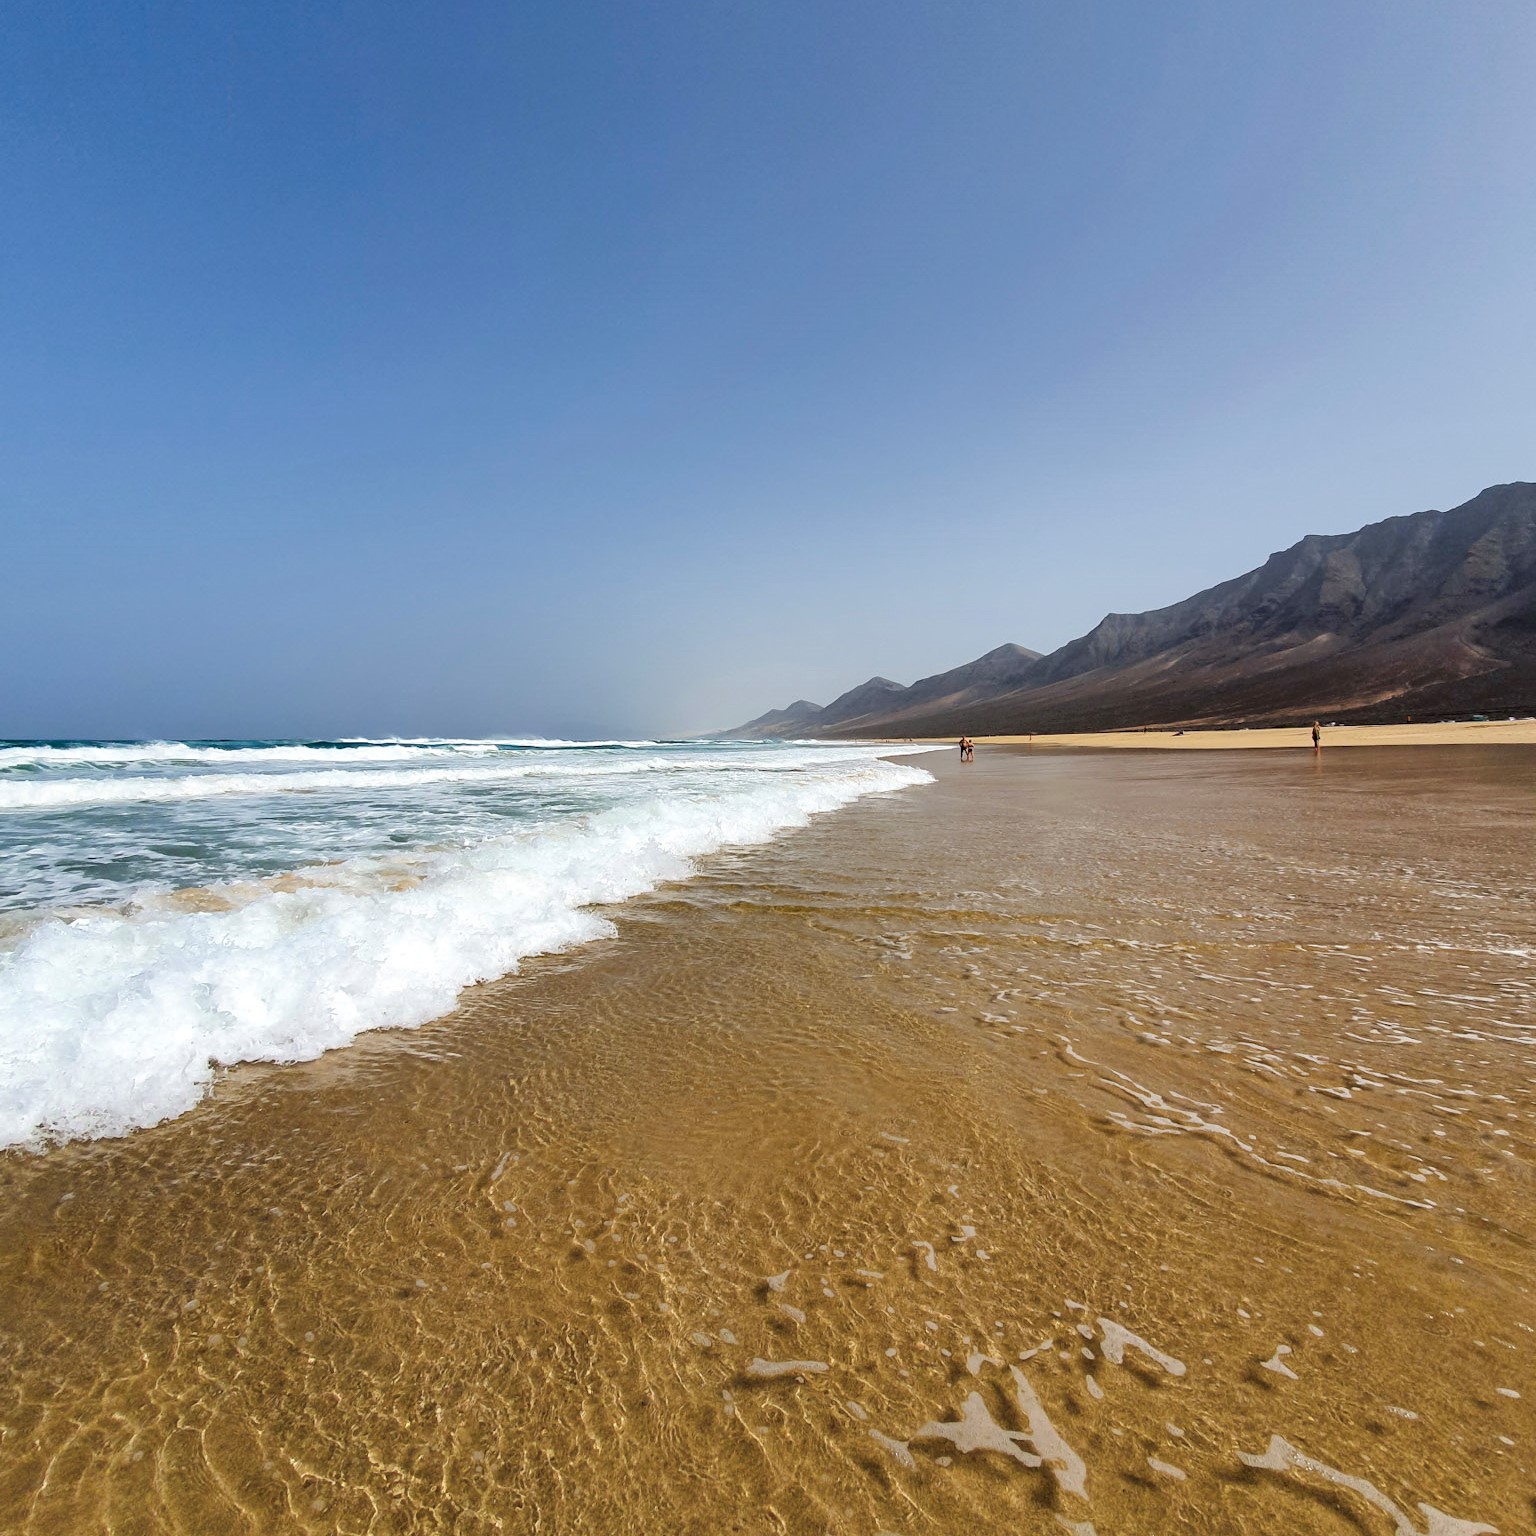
869,700
1428,614
797,719
875,701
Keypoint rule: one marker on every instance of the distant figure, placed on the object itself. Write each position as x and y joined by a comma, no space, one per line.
967,750
1317,735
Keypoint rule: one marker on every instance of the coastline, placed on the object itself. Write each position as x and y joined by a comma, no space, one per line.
1481,733
1004,1096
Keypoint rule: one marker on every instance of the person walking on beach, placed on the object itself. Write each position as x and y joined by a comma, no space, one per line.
1317,736
967,751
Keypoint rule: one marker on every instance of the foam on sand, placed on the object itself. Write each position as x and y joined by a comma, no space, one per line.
1281,1456
897,1448
1276,1362
977,1430
1118,1338
1066,1465
771,1370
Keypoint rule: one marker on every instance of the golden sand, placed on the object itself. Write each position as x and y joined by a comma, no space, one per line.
1452,733
1082,1142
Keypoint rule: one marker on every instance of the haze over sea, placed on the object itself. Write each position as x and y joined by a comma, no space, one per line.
166,906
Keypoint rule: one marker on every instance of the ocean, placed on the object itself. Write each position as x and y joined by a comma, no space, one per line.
168,908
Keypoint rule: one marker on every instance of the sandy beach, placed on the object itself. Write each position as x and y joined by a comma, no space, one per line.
1481,733
1080,1142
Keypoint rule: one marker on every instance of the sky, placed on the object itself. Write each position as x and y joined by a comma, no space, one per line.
587,369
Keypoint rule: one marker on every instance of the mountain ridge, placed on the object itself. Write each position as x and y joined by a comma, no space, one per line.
1422,613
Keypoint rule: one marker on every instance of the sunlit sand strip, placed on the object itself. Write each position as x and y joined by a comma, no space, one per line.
1481,733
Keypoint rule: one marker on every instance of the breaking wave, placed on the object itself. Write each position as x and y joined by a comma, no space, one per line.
118,1016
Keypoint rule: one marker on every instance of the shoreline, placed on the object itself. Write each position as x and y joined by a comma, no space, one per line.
1478,733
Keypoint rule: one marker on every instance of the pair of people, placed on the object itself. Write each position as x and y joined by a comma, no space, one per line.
967,750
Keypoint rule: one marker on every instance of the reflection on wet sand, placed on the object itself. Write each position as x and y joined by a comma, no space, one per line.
1117,1143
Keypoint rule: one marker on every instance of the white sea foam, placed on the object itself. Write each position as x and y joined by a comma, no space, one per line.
357,749
1118,1338
1066,1465
149,753
418,768
771,1370
977,1430
58,794
113,1019
1281,1456
897,1448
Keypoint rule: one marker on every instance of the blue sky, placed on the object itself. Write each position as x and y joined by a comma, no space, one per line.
578,368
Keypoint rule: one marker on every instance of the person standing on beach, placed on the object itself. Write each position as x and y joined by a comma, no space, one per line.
1317,736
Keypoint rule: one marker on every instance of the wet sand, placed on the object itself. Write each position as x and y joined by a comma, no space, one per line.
1020,1152
1478,733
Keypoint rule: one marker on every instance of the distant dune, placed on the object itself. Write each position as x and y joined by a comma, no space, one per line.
1424,615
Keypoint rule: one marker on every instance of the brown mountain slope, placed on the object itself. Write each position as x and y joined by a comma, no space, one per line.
879,697
1433,613
797,719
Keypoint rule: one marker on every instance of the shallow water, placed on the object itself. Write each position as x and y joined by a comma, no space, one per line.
1023,1151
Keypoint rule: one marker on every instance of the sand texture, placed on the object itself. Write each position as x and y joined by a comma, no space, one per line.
1087,1142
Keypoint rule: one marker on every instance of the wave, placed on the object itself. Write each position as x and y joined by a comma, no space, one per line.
60,794
112,1020
52,794
393,749
562,742
119,754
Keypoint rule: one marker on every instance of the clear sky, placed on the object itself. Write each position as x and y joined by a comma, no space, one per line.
583,368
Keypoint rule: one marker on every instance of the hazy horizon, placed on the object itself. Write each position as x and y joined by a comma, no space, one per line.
590,373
